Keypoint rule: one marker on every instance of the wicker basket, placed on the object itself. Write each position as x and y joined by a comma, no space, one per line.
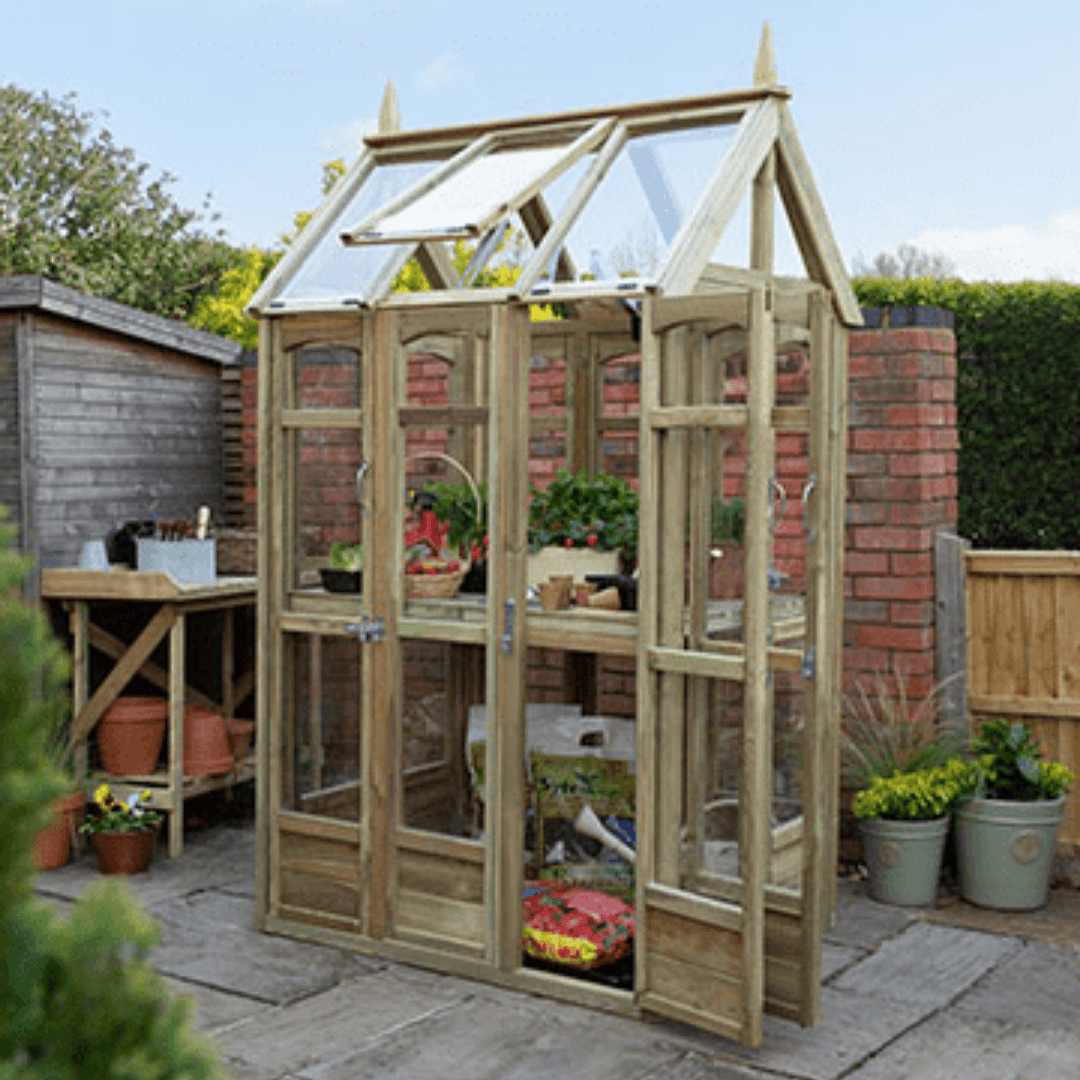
445,584
441,586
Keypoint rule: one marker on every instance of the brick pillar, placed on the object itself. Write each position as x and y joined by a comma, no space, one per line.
902,489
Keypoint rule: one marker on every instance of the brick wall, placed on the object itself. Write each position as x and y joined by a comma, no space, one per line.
902,484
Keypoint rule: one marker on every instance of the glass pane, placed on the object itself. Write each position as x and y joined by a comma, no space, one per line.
334,272
321,744
442,757
469,196
326,378
327,541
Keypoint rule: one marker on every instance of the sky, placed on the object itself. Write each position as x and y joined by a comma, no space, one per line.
953,126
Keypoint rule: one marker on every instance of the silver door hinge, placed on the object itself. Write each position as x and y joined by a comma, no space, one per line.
367,630
507,640
809,663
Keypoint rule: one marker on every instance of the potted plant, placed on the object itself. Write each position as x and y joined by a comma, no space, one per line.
904,819
122,834
1006,833
727,531
581,526
883,733
343,573
52,846
463,509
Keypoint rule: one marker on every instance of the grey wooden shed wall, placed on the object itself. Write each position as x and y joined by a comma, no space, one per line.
107,414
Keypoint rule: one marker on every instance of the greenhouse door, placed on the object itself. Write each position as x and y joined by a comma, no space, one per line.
732,691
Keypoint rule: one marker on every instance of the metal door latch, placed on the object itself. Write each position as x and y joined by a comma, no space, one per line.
373,630
507,640
809,663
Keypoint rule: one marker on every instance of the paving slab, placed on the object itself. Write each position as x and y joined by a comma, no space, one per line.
847,1033
215,858
950,1048
863,922
1058,923
1037,987
926,965
215,1009
282,1042
837,958
694,1066
209,938
486,1040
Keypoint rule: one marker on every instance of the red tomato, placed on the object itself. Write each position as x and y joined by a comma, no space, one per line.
568,543
591,539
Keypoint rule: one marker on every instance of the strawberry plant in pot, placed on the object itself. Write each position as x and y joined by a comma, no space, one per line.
1006,833
463,510
727,533
576,515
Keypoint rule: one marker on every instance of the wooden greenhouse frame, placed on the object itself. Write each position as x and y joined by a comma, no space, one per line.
338,863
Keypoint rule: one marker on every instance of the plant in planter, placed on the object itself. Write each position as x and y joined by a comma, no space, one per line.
1006,833
464,511
882,734
343,573
122,834
575,512
52,846
904,819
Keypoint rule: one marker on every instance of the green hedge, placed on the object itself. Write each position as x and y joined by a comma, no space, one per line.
1018,405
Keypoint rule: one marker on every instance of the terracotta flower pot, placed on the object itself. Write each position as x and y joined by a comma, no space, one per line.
130,735
240,734
128,852
207,751
52,846
726,574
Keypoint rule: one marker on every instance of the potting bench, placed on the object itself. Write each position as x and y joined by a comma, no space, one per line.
77,590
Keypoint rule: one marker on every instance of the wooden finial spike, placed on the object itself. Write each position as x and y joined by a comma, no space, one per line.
765,62
389,116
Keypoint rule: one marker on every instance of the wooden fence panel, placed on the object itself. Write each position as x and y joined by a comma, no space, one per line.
1023,652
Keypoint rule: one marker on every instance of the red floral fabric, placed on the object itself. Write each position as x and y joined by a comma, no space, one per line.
582,928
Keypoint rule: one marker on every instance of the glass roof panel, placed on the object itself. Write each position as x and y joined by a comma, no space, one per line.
334,272
632,217
464,203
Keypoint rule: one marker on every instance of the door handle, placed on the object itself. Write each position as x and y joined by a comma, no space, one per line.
507,640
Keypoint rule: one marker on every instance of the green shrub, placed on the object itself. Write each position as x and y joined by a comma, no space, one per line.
1009,767
1018,379
916,796
77,998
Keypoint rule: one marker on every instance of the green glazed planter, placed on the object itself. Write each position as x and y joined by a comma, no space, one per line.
1006,851
904,859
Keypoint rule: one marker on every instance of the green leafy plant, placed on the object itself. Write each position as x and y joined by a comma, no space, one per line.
727,524
467,524
346,556
923,795
882,734
1009,766
110,815
575,511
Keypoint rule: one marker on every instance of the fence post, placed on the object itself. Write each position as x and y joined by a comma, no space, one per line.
951,658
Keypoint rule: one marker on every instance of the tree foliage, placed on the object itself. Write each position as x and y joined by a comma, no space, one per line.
77,998
1017,390
908,263
83,211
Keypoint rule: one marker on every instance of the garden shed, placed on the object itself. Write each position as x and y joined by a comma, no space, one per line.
723,780
107,414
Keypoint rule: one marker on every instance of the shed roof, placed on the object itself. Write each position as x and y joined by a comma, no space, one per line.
561,183
33,291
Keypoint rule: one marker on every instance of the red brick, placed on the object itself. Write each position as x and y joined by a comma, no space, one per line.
914,663
918,367
896,637
892,539
894,588
861,658
921,513
871,440
904,565
920,415
915,614
866,367
866,464
866,513
896,340
918,464
866,562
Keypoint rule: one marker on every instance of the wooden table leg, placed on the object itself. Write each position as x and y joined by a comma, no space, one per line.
80,680
228,662
176,735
